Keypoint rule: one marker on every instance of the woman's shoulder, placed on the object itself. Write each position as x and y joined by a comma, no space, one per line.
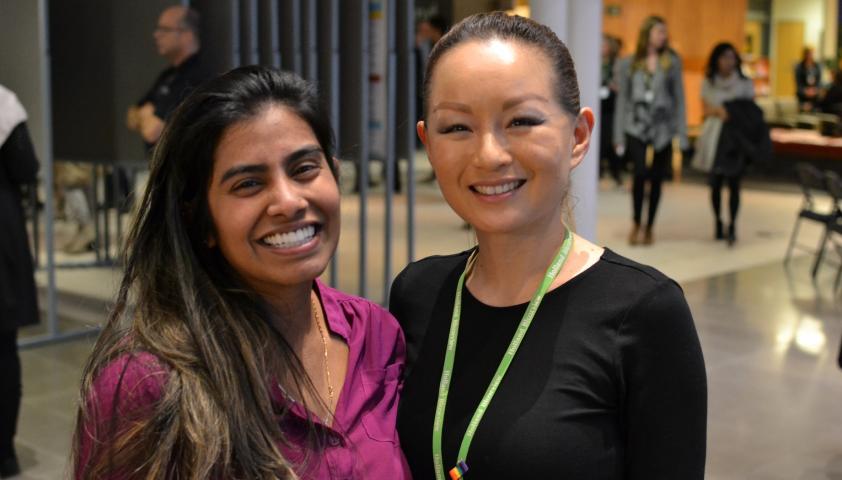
637,279
354,309
417,288
432,270
130,381
648,297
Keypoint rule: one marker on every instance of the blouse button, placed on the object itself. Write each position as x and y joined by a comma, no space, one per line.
333,441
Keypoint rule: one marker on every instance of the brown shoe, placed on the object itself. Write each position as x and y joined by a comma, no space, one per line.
635,232
647,236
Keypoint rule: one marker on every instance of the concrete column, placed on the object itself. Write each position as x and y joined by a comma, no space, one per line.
831,29
578,23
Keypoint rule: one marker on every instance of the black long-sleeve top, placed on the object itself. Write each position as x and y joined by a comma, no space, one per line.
609,382
18,167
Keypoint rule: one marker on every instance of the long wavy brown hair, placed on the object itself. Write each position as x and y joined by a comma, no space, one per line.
641,50
181,301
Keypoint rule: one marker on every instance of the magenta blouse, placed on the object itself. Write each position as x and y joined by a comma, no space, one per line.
360,444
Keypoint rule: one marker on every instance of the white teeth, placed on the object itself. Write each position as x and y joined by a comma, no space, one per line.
497,189
290,239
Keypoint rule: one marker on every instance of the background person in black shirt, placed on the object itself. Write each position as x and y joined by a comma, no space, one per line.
18,299
177,39
608,381
808,77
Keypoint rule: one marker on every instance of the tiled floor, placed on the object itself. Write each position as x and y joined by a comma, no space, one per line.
770,334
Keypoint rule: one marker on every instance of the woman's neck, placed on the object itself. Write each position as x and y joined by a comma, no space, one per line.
510,267
292,307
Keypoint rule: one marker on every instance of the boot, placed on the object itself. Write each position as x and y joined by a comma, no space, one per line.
647,236
635,231
732,235
720,230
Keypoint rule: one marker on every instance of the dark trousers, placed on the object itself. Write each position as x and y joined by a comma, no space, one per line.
10,382
606,148
716,183
654,175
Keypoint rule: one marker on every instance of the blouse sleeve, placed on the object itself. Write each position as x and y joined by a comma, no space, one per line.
663,372
125,390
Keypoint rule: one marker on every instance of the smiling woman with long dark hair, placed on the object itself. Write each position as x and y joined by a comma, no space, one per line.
224,357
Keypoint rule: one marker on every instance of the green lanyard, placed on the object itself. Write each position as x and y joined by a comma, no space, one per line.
447,371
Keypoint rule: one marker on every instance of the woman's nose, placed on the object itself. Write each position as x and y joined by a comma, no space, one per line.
493,151
286,199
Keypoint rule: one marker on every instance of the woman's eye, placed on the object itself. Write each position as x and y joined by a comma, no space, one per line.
526,122
305,169
246,184
456,127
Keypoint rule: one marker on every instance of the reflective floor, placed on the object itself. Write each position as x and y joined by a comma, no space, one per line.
771,338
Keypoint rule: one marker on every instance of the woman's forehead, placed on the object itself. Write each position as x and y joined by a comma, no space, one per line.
493,60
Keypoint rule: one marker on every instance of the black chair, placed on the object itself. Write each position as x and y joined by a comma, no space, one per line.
833,233
813,182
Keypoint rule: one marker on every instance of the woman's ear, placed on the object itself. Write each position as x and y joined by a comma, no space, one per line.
421,129
582,130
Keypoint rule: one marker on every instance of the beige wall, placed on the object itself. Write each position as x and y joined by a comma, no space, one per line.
463,8
831,11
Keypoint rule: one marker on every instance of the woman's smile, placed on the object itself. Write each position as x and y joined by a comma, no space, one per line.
497,191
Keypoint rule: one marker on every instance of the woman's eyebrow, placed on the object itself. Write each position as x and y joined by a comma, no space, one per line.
242,169
513,102
262,168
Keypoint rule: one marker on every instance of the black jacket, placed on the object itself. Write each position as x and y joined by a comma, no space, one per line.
18,167
744,138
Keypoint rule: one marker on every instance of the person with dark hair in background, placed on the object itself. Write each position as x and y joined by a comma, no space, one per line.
18,300
724,82
808,77
611,47
427,33
650,112
177,40
224,357
536,354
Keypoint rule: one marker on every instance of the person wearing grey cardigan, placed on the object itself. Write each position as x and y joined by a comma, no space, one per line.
650,112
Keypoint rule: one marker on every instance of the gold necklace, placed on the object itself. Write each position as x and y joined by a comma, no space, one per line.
324,345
